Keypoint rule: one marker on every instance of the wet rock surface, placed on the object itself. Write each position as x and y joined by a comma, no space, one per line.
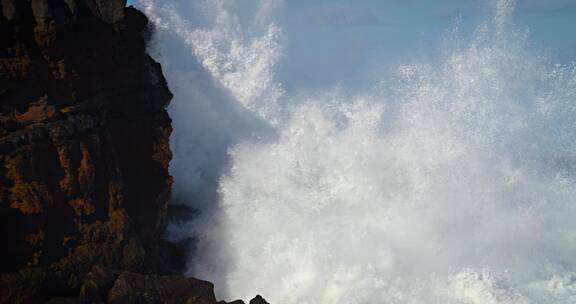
84,155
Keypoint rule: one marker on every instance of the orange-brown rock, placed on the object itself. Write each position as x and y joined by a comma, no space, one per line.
84,145
137,288
84,155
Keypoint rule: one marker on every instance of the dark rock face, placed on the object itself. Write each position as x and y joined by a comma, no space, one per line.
84,155
258,300
135,288
84,145
83,135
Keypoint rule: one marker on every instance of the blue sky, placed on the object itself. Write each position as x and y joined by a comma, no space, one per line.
345,38
336,41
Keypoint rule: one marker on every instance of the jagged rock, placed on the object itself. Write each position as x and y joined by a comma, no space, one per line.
84,146
258,300
21,287
136,288
96,285
110,11
84,155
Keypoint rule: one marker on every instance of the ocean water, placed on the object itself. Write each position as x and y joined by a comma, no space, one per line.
448,181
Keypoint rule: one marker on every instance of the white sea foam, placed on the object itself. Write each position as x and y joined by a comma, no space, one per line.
451,182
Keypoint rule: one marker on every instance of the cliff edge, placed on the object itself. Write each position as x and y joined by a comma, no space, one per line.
84,155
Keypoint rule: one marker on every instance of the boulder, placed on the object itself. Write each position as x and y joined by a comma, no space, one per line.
137,288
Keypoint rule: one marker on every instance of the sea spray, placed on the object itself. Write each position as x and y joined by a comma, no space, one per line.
451,182
220,69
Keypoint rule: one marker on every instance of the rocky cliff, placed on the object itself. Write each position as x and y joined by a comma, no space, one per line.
84,154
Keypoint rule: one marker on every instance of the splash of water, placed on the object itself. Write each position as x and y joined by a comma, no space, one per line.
239,55
451,182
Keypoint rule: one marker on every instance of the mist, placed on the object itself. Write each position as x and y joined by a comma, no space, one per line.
445,178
